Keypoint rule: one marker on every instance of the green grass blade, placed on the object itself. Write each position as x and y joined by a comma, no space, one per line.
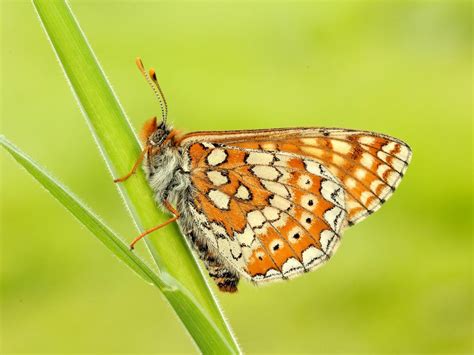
120,149
179,297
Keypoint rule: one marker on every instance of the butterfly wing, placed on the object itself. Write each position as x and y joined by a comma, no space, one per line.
368,165
271,215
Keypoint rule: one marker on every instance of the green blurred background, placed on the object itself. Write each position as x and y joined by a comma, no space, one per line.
402,279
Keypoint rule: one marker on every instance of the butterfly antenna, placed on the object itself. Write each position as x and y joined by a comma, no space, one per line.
155,86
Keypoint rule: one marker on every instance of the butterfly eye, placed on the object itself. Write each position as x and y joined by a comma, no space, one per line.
157,137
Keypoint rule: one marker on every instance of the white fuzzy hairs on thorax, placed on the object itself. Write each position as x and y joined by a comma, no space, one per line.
164,175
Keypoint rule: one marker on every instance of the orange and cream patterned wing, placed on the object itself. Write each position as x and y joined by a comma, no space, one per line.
369,165
271,215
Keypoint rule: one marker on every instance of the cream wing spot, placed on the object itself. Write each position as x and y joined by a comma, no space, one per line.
404,153
360,173
259,158
308,141
256,219
236,253
317,152
219,199
231,251
382,169
312,256
393,178
247,237
332,192
350,183
352,204
291,266
334,217
266,172
341,146
367,140
276,188
271,213
385,172
280,203
367,160
317,169
217,178
391,147
338,160
216,156
312,167
327,240
284,175
243,193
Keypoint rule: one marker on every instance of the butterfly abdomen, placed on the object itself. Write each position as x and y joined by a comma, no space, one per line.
225,278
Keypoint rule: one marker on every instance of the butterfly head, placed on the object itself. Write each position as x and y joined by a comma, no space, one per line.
154,134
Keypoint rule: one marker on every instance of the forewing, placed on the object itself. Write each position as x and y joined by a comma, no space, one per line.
369,165
272,215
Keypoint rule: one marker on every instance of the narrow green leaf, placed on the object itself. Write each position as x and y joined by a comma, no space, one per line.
120,149
181,300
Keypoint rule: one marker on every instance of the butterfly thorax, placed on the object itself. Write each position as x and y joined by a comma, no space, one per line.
162,163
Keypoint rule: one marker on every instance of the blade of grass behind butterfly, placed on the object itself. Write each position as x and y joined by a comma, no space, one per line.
181,300
120,148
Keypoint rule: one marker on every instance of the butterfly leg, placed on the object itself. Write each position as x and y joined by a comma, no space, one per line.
134,168
151,230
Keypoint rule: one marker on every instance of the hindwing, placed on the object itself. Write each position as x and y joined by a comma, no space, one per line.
271,215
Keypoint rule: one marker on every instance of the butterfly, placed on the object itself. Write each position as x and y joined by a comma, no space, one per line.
267,204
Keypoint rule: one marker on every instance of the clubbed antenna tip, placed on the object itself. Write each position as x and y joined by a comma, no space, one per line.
155,86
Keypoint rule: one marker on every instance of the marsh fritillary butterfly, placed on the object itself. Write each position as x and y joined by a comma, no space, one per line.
267,204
